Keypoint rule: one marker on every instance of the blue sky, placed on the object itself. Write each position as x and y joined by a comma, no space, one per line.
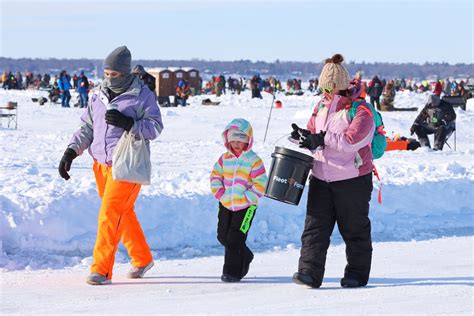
389,31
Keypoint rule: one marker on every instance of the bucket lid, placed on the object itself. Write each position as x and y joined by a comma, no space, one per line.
293,153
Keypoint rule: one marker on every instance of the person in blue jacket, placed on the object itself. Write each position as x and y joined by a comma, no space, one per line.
64,84
83,89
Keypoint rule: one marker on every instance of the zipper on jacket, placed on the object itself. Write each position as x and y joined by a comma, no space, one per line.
106,129
105,142
233,179
322,151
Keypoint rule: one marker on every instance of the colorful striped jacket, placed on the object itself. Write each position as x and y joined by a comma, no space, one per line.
238,182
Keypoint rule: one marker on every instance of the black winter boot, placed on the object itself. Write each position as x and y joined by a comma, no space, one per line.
424,142
247,260
413,144
350,282
305,279
229,279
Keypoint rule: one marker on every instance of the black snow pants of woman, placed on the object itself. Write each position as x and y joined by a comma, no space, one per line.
232,230
346,203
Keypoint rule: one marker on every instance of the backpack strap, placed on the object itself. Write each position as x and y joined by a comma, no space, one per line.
379,197
355,105
318,108
368,108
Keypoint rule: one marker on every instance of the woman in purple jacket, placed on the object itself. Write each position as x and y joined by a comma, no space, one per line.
122,103
341,181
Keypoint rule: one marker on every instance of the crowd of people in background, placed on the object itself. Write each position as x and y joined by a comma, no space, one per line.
436,118
219,85
58,86
380,91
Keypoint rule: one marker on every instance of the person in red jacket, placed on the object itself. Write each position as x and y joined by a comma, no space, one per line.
182,93
438,88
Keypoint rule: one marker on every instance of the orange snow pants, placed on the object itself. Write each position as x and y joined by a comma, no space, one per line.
117,221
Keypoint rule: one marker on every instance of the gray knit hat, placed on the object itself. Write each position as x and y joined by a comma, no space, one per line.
120,59
334,75
434,100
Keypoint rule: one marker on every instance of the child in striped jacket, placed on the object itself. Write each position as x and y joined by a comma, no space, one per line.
238,180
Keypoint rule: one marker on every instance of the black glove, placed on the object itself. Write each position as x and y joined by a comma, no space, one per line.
115,118
297,132
413,144
413,128
313,141
65,163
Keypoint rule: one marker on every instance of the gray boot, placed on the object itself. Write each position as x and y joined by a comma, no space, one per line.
424,142
139,272
97,279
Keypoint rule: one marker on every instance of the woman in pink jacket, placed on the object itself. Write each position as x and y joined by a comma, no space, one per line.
341,181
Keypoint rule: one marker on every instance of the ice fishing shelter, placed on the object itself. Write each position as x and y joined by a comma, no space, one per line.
164,81
167,80
192,77
178,74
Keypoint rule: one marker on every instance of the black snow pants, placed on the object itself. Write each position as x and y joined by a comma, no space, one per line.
440,133
232,230
375,101
256,93
346,203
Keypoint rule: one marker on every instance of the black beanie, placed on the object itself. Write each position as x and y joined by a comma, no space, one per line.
120,59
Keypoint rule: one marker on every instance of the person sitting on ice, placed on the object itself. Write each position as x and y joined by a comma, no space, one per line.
182,93
437,117
238,180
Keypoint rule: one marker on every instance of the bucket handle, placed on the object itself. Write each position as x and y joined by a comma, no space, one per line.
279,138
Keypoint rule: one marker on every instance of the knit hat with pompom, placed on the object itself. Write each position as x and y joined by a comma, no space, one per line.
334,75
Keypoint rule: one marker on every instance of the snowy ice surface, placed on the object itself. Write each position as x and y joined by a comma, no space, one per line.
432,277
421,264
50,223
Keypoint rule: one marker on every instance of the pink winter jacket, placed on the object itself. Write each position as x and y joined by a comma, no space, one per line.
347,153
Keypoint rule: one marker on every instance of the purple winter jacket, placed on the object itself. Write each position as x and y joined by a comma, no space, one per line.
138,102
347,153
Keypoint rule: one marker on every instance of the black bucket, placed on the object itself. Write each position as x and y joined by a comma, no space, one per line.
288,174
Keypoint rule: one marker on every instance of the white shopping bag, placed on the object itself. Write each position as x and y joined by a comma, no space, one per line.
131,160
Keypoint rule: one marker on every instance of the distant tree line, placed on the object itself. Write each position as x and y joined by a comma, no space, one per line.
280,69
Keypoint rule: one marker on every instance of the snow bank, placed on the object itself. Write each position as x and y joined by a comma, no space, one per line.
48,222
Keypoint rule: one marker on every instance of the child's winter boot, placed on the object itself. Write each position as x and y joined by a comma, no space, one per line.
247,261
